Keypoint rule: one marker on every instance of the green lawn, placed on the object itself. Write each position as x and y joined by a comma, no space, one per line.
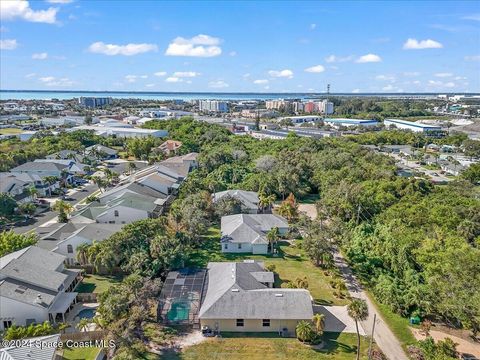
86,353
10,131
266,347
290,264
97,283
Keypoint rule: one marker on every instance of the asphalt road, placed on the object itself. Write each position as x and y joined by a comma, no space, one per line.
438,178
42,218
383,336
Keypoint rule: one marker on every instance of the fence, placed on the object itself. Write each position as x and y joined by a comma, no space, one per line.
87,297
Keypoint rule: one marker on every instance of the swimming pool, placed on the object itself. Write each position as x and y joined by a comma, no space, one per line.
86,313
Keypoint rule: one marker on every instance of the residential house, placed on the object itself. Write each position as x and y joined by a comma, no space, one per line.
35,287
69,236
125,209
17,186
39,348
67,155
169,147
247,233
240,298
101,152
249,199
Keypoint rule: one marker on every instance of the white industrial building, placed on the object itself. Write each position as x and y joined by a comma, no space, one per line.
338,122
122,132
413,126
213,106
302,119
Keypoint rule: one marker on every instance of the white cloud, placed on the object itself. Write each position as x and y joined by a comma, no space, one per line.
315,69
441,84
443,75
416,82
130,78
40,56
313,26
355,91
59,1
53,81
127,50
334,58
149,85
389,87
246,75
172,79
185,74
232,53
198,46
218,84
385,78
368,58
160,73
143,76
8,44
411,73
472,58
281,73
28,76
414,44
475,17
260,81
266,87
20,9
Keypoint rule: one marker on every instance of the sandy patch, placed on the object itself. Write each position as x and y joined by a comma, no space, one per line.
463,346
308,209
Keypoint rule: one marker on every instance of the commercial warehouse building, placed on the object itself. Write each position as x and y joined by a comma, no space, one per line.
337,122
413,126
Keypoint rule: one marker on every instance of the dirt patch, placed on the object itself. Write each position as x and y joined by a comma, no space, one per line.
464,346
308,209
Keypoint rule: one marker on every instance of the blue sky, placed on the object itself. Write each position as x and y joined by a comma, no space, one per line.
251,46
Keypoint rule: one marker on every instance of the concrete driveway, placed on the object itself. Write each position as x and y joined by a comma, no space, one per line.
337,319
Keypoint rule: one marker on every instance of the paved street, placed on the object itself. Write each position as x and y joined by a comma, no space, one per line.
433,174
383,336
50,215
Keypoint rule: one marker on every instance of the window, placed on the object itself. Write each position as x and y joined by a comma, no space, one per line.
7,324
239,246
111,222
225,246
240,323
266,322
115,213
70,249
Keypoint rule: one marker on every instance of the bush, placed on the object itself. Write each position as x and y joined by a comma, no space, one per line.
19,332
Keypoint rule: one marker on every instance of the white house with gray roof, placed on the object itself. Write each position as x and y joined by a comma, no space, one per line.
69,236
249,199
35,287
240,298
247,233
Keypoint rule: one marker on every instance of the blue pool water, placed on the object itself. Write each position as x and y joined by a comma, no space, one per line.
86,313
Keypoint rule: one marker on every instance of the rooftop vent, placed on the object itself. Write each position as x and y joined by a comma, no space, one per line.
249,261
235,290
278,295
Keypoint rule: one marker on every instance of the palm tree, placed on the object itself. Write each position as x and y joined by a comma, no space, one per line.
272,237
32,192
304,331
131,167
63,209
83,324
358,311
266,201
82,253
319,322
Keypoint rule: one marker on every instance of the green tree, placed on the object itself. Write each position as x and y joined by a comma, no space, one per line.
63,208
83,324
304,331
7,205
319,323
11,241
358,311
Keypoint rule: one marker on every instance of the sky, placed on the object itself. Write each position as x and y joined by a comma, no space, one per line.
233,46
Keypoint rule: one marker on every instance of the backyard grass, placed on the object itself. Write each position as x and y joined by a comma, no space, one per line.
85,353
291,263
97,283
10,131
266,347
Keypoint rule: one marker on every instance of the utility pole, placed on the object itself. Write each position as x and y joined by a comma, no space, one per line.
371,338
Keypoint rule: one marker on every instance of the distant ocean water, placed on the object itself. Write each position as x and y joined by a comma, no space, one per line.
65,95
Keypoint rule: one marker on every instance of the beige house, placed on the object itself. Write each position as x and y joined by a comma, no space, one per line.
240,298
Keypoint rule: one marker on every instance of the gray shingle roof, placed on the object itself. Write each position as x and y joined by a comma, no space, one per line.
234,293
249,228
36,266
98,147
39,166
249,199
30,352
26,293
